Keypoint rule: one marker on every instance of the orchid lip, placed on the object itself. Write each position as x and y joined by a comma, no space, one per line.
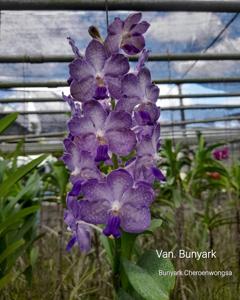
112,228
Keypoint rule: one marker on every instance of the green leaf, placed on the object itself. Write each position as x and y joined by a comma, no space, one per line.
7,121
143,283
108,245
5,280
34,256
155,224
150,262
11,249
123,295
127,243
15,218
61,176
17,175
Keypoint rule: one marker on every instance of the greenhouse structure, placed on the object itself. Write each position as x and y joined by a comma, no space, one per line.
119,149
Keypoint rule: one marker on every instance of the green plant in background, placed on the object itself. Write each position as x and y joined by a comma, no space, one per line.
206,182
17,209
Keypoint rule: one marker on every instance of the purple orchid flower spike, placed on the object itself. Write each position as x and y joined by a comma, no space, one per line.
117,203
80,163
140,95
102,132
97,76
81,232
127,35
221,154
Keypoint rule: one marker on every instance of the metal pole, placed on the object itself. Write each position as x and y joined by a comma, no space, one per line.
153,57
181,107
55,84
150,5
207,95
211,95
212,120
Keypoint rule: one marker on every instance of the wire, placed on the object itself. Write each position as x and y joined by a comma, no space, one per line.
106,9
213,42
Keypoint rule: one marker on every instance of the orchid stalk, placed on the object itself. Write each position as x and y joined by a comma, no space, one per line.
112,147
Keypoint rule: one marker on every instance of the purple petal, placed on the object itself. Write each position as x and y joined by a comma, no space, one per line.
71,243
113,226
69,219
96,55
119,181
121,141
116,26
131,20
145,147
75,108
116,65
72,157
75,191
81,70
118,119
146,114
78,126
95,212
134,44
152,93
114,86
74,47
144,77
102,153
130,86
158,174
94,190
140,28
143,131
127,104
141,195
142,59
83,238
73,206
95,112
135,219
112,43
83,91
89,143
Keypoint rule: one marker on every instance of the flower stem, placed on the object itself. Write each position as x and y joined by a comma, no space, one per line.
117,266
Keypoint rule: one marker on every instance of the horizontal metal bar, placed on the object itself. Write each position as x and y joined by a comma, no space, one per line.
166,108
150,5
198,80
38,112
199,106
32,136
152,57
55,84
176,96
208,95
212,120
22,100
